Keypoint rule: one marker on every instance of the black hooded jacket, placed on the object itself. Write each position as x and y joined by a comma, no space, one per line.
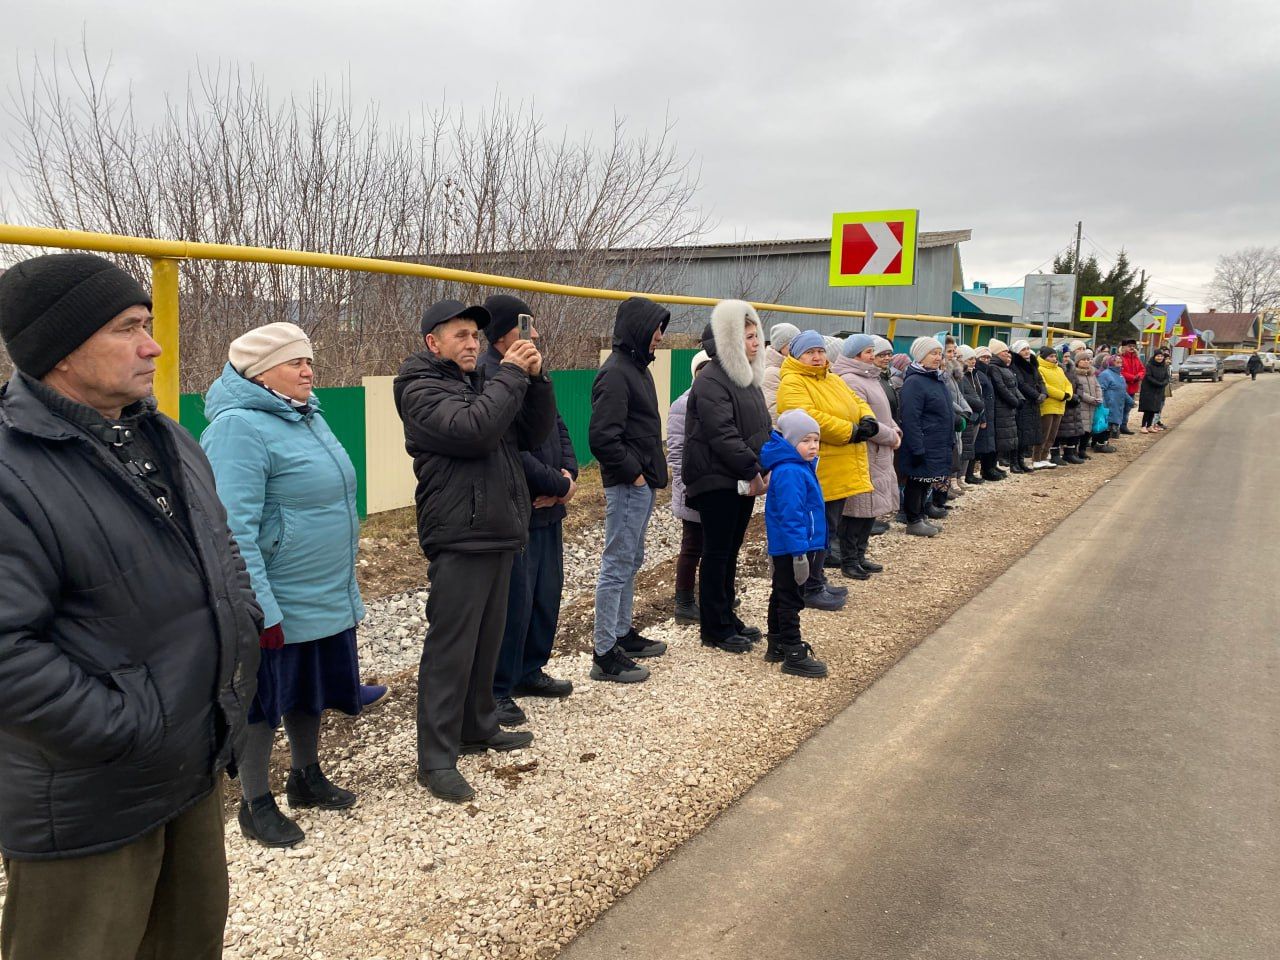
626,427
128,645
542,465
464,433
1031,386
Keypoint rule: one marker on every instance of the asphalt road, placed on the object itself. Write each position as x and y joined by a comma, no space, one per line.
1084,762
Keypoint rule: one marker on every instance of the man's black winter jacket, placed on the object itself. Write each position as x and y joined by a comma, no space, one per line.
464,433
128,652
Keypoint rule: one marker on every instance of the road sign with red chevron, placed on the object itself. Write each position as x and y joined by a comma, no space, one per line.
874,248
1096,309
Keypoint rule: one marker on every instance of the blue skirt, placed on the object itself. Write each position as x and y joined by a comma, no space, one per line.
308,678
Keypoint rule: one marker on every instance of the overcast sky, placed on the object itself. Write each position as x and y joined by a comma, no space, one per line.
1157,124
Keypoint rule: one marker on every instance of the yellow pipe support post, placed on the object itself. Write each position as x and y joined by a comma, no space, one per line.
164,308
893,327
973,340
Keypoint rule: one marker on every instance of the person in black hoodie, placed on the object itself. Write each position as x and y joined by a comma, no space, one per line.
537,573
726,425
626,438
464,431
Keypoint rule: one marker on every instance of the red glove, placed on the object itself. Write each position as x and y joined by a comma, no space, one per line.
272,638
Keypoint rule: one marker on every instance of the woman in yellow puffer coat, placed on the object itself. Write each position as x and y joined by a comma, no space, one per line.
846,422
1053,406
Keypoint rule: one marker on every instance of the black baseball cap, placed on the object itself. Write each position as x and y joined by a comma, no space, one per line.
447,310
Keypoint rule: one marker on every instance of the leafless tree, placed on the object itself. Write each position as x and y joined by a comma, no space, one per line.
227,162
1247,281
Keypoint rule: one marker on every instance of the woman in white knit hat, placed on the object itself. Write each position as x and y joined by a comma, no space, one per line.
289,489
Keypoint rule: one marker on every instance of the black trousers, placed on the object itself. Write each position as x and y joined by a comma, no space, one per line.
725,516
690,555
1148,417
466,612
914,498
786,600
533,608
160,897
855,534
817,578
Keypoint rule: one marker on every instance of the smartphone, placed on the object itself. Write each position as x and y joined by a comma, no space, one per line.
524,322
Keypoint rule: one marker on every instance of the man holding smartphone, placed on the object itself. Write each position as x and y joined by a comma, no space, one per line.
464,431
537,574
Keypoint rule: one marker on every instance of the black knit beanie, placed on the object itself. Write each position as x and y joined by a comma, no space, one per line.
50,305
505,311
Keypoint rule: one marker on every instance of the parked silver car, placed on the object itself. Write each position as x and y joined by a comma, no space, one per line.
1236,363
1201,366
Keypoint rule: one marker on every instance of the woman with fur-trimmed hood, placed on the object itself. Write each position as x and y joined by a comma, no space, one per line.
726,424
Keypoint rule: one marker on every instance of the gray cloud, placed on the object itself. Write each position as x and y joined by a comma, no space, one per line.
1155,123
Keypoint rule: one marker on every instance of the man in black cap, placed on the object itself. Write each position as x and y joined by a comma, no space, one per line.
537,574
128,634
464,431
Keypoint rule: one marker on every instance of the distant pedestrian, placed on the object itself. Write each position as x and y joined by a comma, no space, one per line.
690,555
1151,394
727,425
537,572
1254,366
128,634
1133,370
626,439
1009,402
1031,387
928,433
464,433
778,349
858,368
290,492
795,528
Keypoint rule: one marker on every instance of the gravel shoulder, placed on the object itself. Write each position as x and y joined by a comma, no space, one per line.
618,775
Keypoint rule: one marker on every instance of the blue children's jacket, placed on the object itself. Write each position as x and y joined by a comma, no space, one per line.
290,493
795,517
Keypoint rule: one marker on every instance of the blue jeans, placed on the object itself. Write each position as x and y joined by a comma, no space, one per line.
626,517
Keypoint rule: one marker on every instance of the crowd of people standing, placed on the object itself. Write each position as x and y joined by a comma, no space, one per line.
173,604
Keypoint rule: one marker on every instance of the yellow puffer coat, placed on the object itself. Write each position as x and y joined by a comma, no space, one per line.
842,466
1057,385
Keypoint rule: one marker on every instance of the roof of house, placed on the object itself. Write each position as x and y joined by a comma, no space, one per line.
1226,327
967,302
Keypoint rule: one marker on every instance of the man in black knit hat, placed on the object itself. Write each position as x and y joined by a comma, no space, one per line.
128,634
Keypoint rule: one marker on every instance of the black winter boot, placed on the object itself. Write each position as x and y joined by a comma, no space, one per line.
868,565
798,660
854,570
687,611
969,475
309,787
261,820
773,650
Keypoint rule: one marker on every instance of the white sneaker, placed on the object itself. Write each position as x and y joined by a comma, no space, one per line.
1042,465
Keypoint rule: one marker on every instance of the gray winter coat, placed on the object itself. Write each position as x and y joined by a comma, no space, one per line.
864,379
675,456
1078,418
128,644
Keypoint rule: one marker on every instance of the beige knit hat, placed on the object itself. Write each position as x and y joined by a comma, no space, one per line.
997,347
265,347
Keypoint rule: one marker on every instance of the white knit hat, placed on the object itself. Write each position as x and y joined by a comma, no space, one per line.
698,360
997,347
265,347
921,347
781,334
1020,345
883,346
983,351
966,352
834,347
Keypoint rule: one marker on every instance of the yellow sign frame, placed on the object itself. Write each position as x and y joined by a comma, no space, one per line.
1111,309
910,235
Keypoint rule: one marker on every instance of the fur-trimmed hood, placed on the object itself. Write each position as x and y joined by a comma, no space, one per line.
725,339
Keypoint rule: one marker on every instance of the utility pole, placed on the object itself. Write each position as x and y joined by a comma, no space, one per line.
1075,270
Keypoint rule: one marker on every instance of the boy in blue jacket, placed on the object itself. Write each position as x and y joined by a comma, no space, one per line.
796,524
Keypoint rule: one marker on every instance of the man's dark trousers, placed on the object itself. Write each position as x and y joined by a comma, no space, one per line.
162,896
466,611
533,608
